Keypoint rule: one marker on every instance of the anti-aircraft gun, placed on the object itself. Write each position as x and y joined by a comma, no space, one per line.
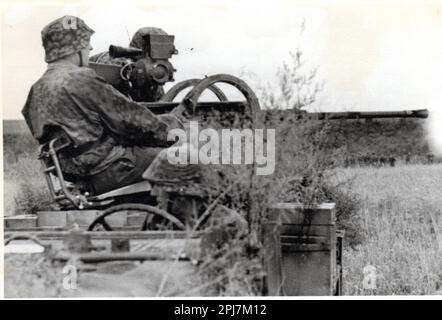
289,237
150,66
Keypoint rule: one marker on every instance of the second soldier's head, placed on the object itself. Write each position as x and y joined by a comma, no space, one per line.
67,38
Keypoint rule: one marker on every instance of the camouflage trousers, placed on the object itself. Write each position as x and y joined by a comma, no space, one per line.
124,171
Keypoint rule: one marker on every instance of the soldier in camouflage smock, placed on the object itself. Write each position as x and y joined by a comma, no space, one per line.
155,92
113,139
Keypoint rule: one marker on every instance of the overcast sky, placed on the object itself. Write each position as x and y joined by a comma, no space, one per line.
383,55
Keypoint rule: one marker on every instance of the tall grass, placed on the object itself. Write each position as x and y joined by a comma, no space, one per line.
401,225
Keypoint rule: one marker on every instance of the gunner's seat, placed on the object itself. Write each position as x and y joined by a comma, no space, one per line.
68,194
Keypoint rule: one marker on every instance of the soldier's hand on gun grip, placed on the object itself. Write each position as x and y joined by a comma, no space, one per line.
171,123
179,112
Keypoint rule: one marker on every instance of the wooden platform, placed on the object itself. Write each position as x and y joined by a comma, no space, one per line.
45,220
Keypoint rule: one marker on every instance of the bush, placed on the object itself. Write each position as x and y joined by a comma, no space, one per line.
31,198
25,189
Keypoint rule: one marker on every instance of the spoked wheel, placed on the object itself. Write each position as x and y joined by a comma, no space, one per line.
151,212
189,105
170,95
190,101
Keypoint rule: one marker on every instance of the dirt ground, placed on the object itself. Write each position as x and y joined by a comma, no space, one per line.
35,276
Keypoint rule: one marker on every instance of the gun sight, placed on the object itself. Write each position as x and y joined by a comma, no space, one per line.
122,52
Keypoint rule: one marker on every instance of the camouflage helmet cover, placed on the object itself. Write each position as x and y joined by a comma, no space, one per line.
65,36
137,39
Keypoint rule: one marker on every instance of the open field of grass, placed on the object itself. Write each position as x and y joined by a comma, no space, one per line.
401,222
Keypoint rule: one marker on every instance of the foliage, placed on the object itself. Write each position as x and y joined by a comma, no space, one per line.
304,160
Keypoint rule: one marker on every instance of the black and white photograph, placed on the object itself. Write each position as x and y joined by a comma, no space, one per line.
221,149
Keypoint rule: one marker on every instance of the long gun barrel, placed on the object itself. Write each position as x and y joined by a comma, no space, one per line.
240,106
421,113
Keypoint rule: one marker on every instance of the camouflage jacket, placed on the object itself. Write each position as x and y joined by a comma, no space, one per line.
99,120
